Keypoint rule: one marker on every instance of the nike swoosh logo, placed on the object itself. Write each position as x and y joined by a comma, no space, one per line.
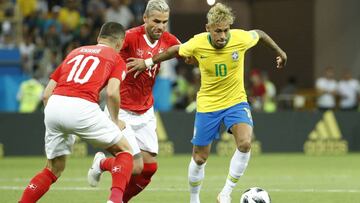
203,57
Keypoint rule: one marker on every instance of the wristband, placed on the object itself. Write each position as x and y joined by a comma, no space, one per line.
148,62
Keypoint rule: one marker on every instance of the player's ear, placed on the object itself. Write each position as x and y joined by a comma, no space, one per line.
144,18
119,44
207,27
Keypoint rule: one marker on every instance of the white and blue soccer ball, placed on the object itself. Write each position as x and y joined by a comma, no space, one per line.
255,195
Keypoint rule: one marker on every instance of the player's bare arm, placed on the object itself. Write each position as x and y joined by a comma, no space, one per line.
48,91
266,39
139,65
113,101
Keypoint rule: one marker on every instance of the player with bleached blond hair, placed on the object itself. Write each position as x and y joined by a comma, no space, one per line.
136,107
222,98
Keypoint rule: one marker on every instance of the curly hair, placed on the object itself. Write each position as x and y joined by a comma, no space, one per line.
220,13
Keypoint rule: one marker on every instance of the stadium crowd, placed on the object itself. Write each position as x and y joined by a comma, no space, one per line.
46,30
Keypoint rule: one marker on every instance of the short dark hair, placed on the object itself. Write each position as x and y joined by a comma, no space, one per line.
112,30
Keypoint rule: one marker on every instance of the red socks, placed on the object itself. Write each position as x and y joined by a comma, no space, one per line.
106,164
139,182
120,170
38,186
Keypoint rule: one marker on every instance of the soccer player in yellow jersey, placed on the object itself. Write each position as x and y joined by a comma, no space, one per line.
221,98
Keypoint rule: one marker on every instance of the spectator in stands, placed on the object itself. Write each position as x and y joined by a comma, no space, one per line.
6,9
287,93
27,7
119,12
52,38
193,90
6,38
30,95
95,11
48,63
326,87
270,94
349,91
258,90
7,41
52,19
137,7
66,37
70,15
180,89
27,50
84,35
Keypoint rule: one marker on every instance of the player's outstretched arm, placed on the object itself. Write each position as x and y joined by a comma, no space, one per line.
48,91
266,39
139,65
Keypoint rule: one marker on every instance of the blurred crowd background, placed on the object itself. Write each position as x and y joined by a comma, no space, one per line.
35,35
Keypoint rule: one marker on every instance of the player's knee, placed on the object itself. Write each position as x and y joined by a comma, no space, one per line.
138,166
200,160
244,146
56,165
121,146
56,169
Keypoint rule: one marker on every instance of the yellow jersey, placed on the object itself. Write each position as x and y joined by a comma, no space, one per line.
222,70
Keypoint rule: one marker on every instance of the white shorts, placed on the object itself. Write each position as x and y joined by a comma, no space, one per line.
66,117
140,130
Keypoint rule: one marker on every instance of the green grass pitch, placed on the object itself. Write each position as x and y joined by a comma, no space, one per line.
289,178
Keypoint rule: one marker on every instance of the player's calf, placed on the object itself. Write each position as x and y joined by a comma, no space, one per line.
139,182
120,173
38,186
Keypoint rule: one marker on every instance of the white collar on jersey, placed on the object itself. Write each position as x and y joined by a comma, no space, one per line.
104,45
152,45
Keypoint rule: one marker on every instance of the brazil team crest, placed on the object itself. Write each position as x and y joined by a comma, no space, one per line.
235,56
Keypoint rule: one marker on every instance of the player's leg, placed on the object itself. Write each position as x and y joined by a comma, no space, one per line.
104,133
130,135
139,182
206,129
147,141
41,182
240,125
196,171
105,163
57,146
121,169
101,163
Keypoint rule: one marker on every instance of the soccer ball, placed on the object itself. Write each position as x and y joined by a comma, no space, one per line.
255,195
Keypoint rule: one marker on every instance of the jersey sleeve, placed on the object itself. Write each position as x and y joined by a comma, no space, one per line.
119,70
56,74
251,38
247,39
173,40
187,49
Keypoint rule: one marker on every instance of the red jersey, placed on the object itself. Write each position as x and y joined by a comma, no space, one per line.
86,70
136,93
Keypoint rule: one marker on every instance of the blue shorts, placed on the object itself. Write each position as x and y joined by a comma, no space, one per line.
207,125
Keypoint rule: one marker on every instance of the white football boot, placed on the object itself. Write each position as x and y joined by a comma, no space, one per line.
223,198
95,172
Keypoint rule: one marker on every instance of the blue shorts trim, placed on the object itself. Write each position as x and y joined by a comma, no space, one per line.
207,125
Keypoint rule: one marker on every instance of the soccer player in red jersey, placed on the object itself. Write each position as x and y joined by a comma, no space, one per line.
71,108
136,107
